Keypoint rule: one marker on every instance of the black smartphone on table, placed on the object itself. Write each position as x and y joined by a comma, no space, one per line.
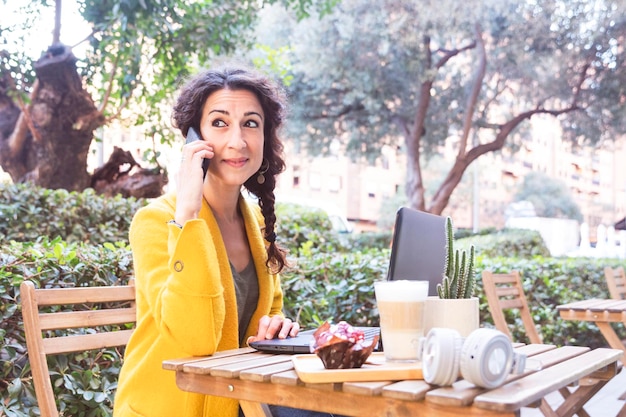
192,136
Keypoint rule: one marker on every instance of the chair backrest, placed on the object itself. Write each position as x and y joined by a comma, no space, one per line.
37,324
505,291
616,281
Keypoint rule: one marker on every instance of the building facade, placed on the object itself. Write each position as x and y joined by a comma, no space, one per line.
596,176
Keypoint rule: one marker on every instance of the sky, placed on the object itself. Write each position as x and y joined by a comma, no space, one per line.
73,28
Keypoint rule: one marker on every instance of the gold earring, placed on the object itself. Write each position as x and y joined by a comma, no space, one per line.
264,167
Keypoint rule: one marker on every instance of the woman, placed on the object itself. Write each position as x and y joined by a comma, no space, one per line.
206,261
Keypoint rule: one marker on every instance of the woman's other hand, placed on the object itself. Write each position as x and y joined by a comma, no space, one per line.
275,327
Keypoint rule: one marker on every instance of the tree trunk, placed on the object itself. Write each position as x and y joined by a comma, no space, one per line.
52,151
47,141
463,160
113,177
414,180
413,136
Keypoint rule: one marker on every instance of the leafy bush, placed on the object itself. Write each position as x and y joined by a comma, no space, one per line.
463,233
334,286
507,243
369,240
27,212
305,228
549,196
301,227
84,382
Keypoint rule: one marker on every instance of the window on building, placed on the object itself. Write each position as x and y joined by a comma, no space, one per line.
315,181
334,183
296,176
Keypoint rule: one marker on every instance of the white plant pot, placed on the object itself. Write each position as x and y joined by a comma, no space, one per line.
459,314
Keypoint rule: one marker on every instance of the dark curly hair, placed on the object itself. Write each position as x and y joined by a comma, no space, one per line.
187,112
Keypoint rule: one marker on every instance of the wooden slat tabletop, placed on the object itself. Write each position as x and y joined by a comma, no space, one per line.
463,393
596,305
535,386
548,369
596,310
602,312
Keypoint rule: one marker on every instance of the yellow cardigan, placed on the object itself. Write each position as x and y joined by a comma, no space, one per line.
186,306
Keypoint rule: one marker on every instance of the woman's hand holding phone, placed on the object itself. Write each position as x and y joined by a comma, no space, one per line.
190,177
192,136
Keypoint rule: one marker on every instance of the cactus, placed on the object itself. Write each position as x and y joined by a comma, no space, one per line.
458,279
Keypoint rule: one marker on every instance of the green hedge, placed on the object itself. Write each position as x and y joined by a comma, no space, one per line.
515,243
340,286
331,277
28,212
334,286
300,228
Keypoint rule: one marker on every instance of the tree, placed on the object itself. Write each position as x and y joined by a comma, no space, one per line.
550,197
418,75
139,51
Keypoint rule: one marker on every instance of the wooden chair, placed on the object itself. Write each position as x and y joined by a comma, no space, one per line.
616,281
504,292
37,326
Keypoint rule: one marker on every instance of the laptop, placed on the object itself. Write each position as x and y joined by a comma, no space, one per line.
417,252
302,342
418,249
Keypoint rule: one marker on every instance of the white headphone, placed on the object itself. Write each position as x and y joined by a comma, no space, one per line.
484,358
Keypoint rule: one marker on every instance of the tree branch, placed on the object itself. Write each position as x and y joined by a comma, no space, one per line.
504,130
118,112
341,112
451,53
414,180
107,95
442,196
472,99
56,32
499,88
581,80
24,122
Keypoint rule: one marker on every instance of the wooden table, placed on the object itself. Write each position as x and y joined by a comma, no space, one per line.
602,313
257,379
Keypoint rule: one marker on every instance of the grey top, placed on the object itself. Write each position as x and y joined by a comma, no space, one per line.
247,291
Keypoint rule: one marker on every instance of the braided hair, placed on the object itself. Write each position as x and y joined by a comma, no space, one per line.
187,112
